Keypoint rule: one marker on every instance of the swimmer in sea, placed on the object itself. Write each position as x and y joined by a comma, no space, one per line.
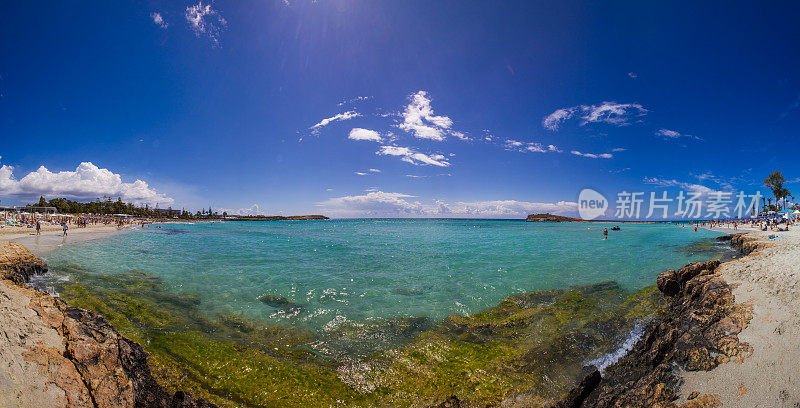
605,233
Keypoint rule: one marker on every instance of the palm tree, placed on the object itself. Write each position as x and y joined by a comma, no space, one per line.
775,183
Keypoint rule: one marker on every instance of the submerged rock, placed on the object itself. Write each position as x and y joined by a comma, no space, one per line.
278,302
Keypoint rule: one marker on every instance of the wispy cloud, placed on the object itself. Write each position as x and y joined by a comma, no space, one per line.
529,147
633,75
354,100
386,204
554,120
414,157
87,182
159,20
338,117
697,188
618,114
364,134
593,155
668,134
205,21
368,172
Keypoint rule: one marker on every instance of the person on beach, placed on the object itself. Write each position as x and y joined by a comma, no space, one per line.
64,227
605,233
38,227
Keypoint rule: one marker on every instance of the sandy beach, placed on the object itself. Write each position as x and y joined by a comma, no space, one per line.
769,280
51,236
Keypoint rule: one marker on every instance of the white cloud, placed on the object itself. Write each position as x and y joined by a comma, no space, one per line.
252,210
554,120
611,112
461,136
204,20
374,170
618,149
633,75
87,182
383,204
593,155
418,119
159,20
697,188
415,176
619,114
339,116
411,156
668,134
358,173
353,100
364,134
532,147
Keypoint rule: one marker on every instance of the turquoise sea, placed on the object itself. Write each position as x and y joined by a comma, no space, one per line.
321,274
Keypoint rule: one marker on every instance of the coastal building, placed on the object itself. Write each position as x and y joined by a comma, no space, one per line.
167,212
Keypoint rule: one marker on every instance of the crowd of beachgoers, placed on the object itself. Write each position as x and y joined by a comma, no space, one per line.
753,224
31,223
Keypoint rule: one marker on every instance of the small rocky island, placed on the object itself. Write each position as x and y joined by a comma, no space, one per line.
547,217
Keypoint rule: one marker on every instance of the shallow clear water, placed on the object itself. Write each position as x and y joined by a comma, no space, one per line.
337,271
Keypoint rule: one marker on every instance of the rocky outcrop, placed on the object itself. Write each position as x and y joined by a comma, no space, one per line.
17,264
698,332
56,355
746,244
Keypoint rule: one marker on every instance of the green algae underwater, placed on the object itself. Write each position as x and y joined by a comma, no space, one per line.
529,349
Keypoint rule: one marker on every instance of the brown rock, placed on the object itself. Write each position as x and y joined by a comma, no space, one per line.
18,264
667,283
81,360
698,332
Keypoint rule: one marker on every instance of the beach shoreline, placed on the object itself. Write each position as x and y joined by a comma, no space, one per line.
52,238
768,280
735,384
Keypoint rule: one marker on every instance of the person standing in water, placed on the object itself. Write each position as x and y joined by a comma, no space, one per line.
64,227
605,233
38,227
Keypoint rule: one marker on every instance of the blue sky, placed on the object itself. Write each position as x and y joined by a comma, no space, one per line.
487,109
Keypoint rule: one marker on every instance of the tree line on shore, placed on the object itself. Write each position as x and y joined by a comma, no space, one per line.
107,206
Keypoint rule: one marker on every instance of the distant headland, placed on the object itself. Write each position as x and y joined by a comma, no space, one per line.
276,218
